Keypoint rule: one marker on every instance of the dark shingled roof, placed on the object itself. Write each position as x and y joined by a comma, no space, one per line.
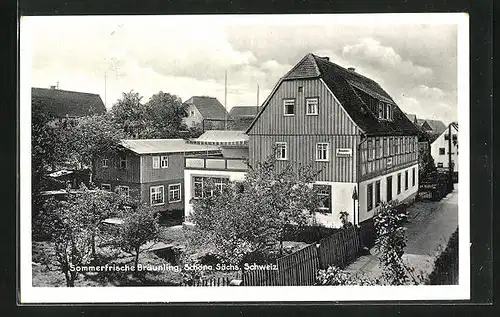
62,103
243,112
437,126
209,107
343,83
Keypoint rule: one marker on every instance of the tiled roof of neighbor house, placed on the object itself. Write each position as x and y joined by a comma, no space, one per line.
437,126
220,137
209,107
151,146
343,84
243,112
62,103
411,117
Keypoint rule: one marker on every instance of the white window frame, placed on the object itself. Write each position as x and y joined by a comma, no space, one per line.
104,185
163,159
170,190
121,188
326,152
312,101
288,102
380,110
156,162
191,113
151,188
104,162
278,151
329,195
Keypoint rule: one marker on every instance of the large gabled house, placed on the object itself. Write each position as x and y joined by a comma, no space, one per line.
150,169
345,125
206,112
66,106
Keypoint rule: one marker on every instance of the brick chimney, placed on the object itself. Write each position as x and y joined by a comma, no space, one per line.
352,69
53,87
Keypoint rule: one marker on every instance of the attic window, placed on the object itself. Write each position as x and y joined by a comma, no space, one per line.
385,111
300,89
289,107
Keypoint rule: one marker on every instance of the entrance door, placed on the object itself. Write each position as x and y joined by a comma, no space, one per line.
389,188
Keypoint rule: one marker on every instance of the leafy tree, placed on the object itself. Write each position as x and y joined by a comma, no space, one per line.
426,163
249,218
164,114
391,241
96,205
93,137
65,221
140,225
130,114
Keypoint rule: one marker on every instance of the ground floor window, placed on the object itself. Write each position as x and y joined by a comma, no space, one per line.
124,190
157,195
324,193
413,177
369,197
406,180
440,165
174,193
208,186
389,188
399,183
106,187
377,193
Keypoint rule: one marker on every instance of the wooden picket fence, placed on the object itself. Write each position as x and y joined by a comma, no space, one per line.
341,248
216,281
301,267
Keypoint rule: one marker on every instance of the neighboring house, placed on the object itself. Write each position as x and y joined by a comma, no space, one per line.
206,112
232,166
152,169
346,126
433,128
67,106
243,116
423,136
440,148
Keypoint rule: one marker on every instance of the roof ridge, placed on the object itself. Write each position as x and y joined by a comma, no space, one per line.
343,68
63,90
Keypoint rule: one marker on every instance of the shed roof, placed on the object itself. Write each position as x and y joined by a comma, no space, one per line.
62,103
343,83
152,146
243,112
209,107
222,137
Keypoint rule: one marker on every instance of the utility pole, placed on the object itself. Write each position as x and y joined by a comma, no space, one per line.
450,168
225,100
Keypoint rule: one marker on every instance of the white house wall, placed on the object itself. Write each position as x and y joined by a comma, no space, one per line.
188,190
405,195
341,201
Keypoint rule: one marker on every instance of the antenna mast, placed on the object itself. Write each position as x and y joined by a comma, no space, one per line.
225,100
257,108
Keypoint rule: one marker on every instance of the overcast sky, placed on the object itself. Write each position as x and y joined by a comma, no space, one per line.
415,63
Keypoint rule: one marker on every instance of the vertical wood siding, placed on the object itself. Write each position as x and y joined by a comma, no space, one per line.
175,168
131,174
302,151
332,118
